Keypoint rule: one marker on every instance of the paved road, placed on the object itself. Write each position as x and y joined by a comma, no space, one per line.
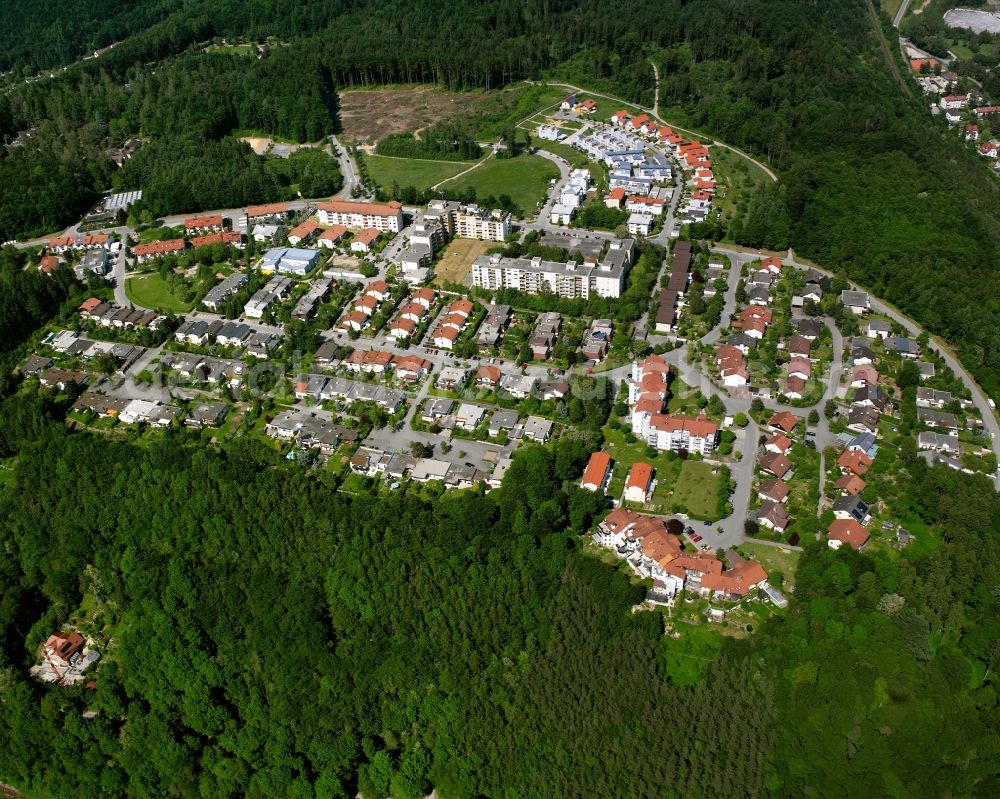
900,13
347,168
118,271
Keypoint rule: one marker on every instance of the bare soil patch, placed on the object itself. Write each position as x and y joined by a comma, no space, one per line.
369,115
456,262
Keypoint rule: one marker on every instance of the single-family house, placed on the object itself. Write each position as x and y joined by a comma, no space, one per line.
847,531
851,507
775,465
857,302
772,515
855,462
639,483
773,490
598,472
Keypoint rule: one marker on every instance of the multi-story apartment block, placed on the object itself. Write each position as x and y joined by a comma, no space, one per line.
469,221
534,276
384,217
666,432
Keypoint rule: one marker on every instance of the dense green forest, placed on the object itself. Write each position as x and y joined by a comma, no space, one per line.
178,175
27,300
270,636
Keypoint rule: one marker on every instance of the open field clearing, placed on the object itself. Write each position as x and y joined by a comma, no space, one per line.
524,179
457,260
419,173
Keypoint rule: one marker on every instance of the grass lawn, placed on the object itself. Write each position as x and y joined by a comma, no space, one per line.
685,658
571,155
150,291
416,172
698,489
524,179
773,559
684,400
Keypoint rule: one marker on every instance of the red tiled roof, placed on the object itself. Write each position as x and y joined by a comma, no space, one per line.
367,209
335,233
463,307
639,476
649,404
47,263
353,316
407,326
81,240
619,519
195,222
225,237
424,293
848,531
694,427
917,63
660,546
795,385
850,483
597,469
739,580
855,461
411,363
489,374
775,490
799,365
654,363
270,209
159,247
449,333
756,312
775,464
780,441
370,358
304,229
785,420
366,236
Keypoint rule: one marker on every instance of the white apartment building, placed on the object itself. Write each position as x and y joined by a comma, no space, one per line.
534,276
666,432
469,221
384,217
